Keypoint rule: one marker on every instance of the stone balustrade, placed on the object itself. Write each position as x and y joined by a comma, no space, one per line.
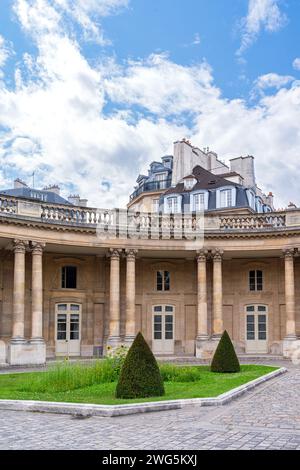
120,223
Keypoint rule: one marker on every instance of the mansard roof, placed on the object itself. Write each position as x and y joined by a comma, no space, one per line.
205,180
27,192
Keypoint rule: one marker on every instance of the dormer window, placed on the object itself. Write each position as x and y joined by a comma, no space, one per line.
160,176
226,198
189,183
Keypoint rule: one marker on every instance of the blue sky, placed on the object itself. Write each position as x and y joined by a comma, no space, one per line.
92,90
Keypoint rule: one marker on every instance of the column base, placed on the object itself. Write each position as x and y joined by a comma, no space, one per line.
128,340
216,336
291,348
3,354
205,348
18,340
37,341
26,353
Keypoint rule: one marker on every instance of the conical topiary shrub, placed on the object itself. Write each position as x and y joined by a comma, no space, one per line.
140,375
225,358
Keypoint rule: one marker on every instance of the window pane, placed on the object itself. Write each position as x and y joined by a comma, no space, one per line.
252,280
250,308
166,280
75,307
157,335
157,308
250,327
259,280
62,307
169,335
69,277
169,326
262,335
169,308
61,335
159,280
261,308
74,335
169,318
157,318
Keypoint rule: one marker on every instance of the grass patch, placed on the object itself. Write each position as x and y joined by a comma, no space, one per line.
96,383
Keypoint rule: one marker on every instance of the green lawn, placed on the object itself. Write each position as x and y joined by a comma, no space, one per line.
210,385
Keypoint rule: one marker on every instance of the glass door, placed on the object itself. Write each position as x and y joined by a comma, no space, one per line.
67,332
163,329
256,329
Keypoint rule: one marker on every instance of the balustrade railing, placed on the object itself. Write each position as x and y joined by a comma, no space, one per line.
126,223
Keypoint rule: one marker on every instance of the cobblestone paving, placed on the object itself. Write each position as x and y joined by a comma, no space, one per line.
266,418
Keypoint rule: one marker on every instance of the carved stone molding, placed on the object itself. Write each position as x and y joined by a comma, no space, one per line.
288,253
217,255
202,256
114,253
131,254
37,248
19,246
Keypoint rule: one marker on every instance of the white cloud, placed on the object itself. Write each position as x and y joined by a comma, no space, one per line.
47,16
272,80
161,86
55,120
262,15
197,39
5,52
296,63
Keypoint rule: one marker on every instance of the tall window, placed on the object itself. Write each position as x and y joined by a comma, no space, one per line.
199,202
256,280
172,205
163,280
155,205
160,176
226,198
69,277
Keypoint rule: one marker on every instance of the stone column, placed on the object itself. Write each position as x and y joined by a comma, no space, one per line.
217,294
130,295
114,298
202,333
290,294
37,293
19,292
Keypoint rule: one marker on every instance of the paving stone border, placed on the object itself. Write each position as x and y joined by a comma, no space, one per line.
87,409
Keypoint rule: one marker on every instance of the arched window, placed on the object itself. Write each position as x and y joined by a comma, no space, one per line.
256,280
69,277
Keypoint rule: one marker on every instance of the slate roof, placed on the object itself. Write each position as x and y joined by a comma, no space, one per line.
26,193
205,180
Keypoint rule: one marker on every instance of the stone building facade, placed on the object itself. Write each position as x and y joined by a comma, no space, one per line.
75,279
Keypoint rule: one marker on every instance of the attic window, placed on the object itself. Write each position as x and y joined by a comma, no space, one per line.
212,182
189,183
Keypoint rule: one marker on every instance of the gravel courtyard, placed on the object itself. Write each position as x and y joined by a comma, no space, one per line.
267,418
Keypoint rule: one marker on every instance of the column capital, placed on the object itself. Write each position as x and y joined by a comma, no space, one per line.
114,253
37,248
201,255
131,253
217,254
288,253
19,246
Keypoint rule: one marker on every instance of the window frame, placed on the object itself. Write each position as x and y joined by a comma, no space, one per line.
219,196
64,281
256,280
163,279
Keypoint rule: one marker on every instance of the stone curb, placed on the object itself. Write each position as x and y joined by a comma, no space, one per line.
86,409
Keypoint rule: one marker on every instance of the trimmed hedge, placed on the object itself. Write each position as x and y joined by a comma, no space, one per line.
140,376
225,358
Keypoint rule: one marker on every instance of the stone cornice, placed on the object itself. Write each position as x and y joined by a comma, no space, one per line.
213,235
